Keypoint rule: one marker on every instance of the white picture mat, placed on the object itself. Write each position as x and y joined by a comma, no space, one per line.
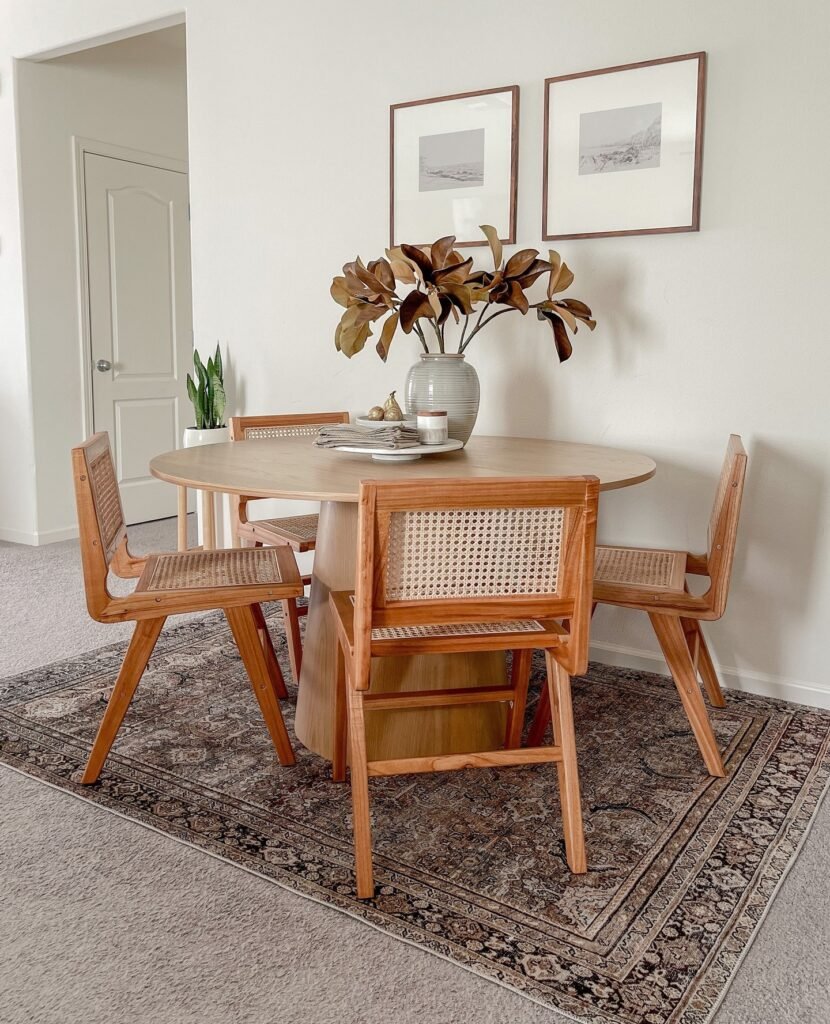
653,197
421,217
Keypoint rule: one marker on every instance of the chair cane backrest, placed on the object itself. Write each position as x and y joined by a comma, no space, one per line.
251,428
100,516
462,552
723,523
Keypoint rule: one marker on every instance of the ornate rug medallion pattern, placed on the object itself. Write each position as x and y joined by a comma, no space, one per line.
469,865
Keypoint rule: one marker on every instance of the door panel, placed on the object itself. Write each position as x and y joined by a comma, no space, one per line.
138,246
144,340
143,428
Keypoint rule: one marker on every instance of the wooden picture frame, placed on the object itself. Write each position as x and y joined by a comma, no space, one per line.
419,209
665,192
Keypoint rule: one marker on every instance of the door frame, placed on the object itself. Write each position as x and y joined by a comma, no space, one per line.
95,147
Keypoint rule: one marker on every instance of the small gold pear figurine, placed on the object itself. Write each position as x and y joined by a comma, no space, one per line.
375,413
391,409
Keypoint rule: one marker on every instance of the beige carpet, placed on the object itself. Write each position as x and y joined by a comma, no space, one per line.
100,922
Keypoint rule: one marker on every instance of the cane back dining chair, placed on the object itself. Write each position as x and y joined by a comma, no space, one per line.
452,566
654,581
169,584
297,532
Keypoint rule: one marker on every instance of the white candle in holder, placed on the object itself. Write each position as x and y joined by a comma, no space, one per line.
433,427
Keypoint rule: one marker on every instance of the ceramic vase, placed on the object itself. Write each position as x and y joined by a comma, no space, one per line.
448,382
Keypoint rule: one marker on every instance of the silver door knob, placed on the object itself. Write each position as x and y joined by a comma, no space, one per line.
103,365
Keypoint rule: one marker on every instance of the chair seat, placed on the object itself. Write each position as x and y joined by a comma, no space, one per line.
647,568
502,635
299,532
207,570
457,629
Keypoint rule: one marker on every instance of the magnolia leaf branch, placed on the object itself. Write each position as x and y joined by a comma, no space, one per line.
443,285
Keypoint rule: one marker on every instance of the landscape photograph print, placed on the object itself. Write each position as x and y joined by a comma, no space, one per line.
451,160
624,139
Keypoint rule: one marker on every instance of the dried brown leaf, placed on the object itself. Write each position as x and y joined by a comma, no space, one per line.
386,335
495,243
440,250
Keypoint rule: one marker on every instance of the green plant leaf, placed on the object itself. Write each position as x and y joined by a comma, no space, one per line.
219,400
217,363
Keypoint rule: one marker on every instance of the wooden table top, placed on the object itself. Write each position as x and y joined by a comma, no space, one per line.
291,467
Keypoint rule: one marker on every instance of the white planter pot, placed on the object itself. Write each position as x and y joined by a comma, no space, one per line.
194,437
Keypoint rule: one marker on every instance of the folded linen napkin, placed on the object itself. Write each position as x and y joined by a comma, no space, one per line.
391,436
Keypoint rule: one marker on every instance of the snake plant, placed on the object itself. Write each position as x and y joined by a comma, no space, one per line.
208,395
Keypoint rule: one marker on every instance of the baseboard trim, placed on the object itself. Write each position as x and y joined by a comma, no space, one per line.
737,679
36,539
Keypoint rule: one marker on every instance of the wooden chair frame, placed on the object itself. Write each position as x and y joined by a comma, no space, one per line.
566,651
677,616
104,548
250,531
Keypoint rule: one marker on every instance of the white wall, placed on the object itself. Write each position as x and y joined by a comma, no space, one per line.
131,93
699,334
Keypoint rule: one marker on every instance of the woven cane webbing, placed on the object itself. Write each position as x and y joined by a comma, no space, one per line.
192,570
473,552
461,629
107,501
300,528
640,567
283,430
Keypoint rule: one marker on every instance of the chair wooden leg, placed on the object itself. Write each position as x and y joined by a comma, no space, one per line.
559,688
295,643
244,629
208,521
181,519
339,725
274,670
703,662
135,661
541,718
361,821
676,652
519,680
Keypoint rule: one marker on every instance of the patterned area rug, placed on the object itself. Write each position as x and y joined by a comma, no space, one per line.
470,865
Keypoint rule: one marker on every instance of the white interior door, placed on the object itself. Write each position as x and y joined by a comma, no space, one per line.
140,318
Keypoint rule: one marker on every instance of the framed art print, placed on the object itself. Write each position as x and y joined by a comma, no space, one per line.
452,166
623,149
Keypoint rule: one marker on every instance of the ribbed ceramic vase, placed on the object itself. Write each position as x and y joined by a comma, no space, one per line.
445,382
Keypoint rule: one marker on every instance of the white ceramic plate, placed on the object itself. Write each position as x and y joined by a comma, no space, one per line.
362,421
402,454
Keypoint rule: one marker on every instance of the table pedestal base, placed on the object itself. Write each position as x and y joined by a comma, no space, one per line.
389,734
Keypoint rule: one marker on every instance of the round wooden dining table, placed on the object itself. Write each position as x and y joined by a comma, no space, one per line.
293,468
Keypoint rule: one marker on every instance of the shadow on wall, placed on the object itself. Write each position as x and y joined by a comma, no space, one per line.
775,577
774,582
616,289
